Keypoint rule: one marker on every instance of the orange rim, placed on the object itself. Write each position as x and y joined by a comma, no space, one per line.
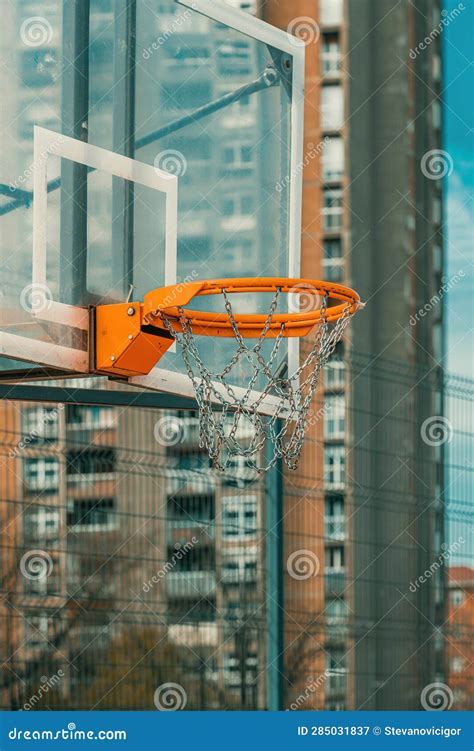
173,299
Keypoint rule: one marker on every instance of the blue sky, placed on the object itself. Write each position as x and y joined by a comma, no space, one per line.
458,98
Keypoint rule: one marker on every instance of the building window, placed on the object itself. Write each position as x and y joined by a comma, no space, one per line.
188,511
237,255
238,205
330,12
42,473
41,424
90,417
39,67
336,612
332,210
332,108
436,67
437,259
436,113
240,565
330,55
40,523
38,114
334,560
333,159
49,584
238,158
37,630
185,54
334,374
457,597
334,518
437,341
234,667
334,461
334,417
94,513
187,96
457,664
234,58
333,261
239,517
437,215
89,462
336,672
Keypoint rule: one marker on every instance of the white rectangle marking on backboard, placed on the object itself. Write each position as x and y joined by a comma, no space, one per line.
48,142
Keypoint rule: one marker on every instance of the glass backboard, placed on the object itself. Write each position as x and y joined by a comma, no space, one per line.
167,147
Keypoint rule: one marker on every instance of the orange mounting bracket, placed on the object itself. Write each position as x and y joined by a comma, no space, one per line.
124,344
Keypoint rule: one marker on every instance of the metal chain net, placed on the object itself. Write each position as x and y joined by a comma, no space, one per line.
227,413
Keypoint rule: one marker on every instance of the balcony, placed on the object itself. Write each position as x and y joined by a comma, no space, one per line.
238,575
195,224
186,482
194,635
180,530
239,223
190,584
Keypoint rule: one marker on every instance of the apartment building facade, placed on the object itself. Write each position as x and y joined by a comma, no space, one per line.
372,218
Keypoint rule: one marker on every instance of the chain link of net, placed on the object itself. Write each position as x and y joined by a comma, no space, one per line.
223,409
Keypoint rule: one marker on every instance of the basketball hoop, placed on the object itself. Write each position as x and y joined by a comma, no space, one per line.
224,409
